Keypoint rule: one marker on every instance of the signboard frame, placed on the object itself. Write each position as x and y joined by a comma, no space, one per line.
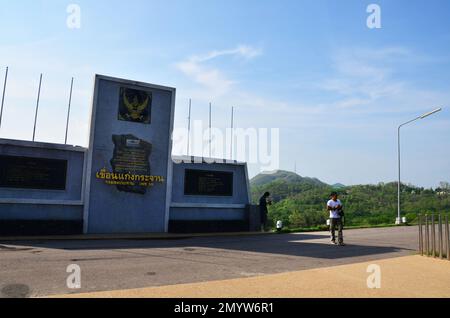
51,164
230,184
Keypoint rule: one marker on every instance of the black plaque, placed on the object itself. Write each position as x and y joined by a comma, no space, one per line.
131,156
208,183
135,105
32,173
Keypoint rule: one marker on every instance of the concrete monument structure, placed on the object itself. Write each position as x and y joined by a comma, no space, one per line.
126,181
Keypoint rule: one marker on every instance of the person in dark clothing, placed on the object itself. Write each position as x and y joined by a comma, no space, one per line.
263,202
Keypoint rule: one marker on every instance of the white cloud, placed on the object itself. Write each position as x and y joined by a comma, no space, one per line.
244,51
370,81
364,76
210,77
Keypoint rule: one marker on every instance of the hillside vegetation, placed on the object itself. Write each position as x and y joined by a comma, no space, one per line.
301,202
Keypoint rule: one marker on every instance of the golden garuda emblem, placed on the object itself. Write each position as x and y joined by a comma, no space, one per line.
135,105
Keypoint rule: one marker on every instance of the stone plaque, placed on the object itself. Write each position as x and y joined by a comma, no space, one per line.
131,161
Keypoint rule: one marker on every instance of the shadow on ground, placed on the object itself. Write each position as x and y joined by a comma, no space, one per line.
302,245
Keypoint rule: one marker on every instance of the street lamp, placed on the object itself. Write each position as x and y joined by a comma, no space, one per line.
399,171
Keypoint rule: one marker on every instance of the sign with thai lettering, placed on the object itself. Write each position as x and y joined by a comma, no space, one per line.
131,165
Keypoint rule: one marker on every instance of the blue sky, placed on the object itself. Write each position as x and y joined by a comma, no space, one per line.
336,89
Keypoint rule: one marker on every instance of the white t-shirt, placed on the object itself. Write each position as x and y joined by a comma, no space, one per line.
334,214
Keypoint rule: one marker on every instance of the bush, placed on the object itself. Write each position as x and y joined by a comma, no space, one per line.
300,206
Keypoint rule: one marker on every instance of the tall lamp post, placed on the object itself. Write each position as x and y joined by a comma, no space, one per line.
399,171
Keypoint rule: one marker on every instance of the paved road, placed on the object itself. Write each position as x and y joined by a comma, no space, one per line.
39,268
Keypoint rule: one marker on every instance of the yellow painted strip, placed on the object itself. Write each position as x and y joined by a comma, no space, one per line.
410,276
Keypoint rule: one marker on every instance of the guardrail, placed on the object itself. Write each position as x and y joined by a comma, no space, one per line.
429,244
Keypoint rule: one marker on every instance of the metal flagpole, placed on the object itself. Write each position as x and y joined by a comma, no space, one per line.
210,127
37,107
68,111
232,128
189,127
3,96
399,185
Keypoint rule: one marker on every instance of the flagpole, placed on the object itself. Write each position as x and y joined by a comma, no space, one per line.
37,107
210,127
3,96
189,127
68,111
232,128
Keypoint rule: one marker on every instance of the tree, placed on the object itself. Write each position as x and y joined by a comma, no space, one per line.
444,185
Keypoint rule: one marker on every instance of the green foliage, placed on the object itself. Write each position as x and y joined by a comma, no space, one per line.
290,177
303,205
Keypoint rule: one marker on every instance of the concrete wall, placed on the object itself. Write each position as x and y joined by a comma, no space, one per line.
40,205
91,205
215,210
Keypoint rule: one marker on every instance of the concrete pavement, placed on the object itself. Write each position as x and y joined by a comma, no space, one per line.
403,277
38,268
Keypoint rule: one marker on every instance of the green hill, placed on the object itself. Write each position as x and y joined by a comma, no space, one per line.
282,184
290,177
301,202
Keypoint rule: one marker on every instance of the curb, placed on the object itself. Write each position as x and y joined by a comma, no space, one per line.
99,237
